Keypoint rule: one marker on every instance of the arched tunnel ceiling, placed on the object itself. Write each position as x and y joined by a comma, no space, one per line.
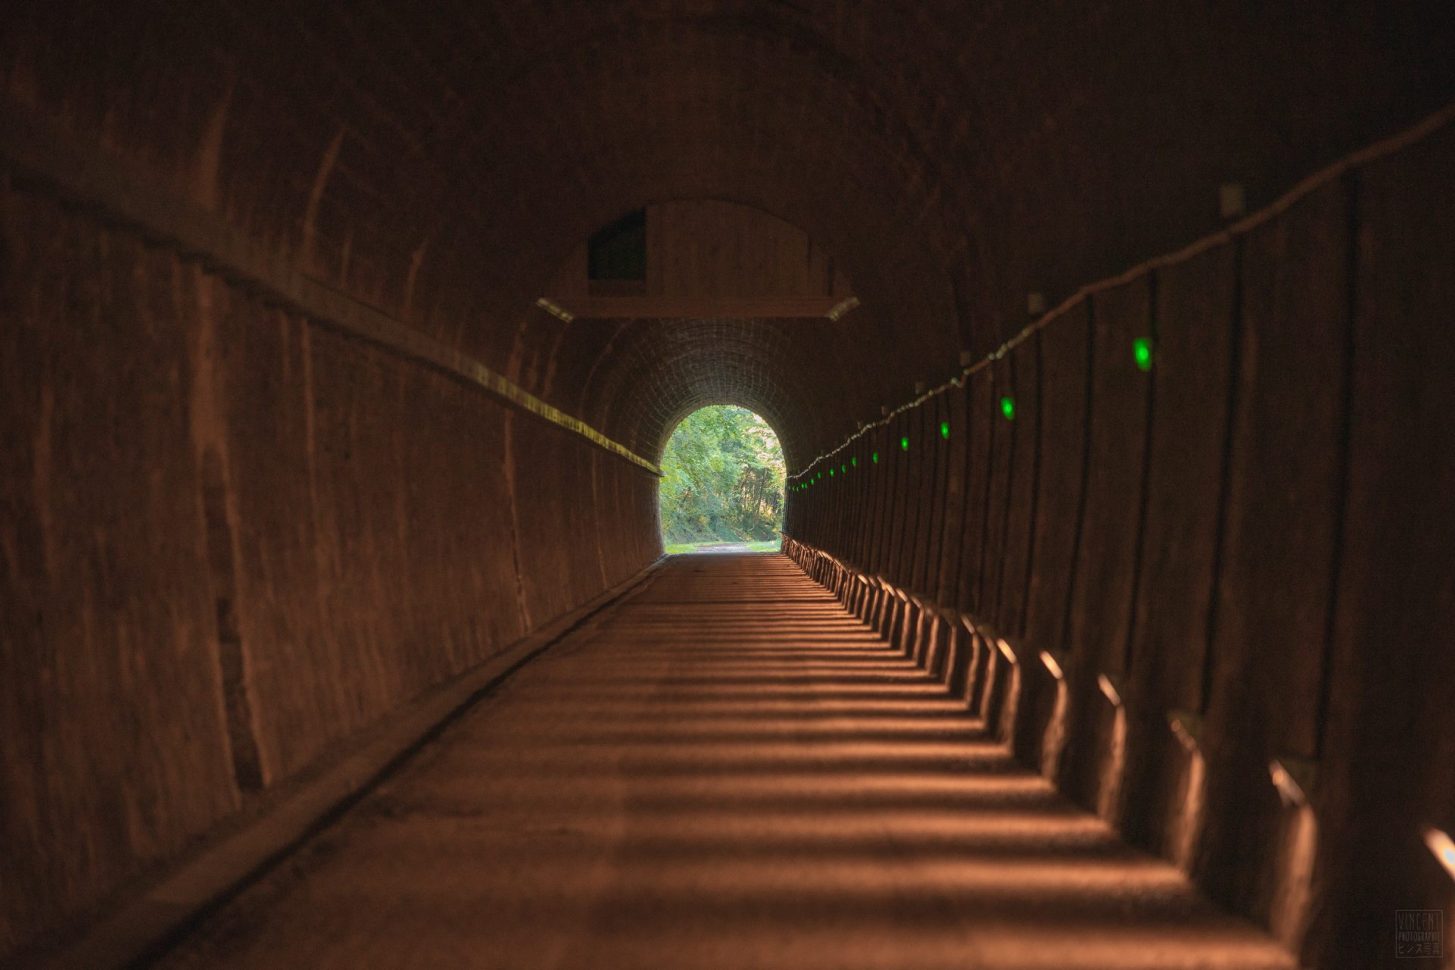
659,371
442,161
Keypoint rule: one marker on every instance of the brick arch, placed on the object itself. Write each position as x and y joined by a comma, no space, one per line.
662,370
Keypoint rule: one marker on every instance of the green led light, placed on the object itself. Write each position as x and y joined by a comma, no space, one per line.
1007,407
854,461
1142,351
904,443
945,430
831,473
875,456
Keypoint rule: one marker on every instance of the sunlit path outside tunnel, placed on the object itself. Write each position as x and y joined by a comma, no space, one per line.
722,484
724,771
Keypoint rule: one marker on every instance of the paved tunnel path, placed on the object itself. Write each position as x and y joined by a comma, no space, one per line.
729,772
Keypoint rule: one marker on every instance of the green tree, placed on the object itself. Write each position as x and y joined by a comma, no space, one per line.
722,479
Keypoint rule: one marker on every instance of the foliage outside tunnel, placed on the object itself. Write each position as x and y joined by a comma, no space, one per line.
722,480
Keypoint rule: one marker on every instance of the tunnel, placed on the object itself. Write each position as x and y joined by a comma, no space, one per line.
1111,347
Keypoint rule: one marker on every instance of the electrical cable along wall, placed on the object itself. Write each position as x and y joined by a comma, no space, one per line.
1186,543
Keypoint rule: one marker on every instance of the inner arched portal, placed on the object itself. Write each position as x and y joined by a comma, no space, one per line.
681,303
722,482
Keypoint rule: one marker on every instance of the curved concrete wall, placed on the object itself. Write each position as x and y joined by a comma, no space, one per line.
233,539
1251,539
234,536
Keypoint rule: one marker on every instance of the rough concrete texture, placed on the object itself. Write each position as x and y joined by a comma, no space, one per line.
725,770
1390,746
1251,558
1171,622
232,536
952,158
235,539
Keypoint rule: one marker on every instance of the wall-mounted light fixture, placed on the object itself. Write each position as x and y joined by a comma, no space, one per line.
1294,779
1142,353
1109,690
1443,847
1052,664
555,310
1186,727
837,311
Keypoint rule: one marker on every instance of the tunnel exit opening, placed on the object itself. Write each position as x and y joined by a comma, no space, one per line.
722,483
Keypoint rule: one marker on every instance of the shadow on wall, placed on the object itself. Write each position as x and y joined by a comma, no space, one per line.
1199,569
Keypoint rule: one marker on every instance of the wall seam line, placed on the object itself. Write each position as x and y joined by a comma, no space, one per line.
1225,477
1138,551
1344,460
1086,438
